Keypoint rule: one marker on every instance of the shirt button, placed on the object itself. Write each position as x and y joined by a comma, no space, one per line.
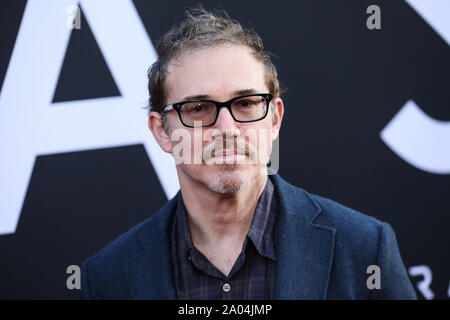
226,287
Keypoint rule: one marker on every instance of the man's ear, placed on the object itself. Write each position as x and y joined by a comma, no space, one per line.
156,126
278,112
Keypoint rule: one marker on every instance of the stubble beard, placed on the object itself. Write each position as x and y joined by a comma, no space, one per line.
228,180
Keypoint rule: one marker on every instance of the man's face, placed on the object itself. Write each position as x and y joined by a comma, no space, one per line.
228,155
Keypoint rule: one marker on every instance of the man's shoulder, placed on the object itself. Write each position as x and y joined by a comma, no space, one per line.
330,213
131,242
357,241
122,246
113,260
356,235
339,215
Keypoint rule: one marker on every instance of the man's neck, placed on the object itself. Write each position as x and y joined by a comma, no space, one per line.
215,217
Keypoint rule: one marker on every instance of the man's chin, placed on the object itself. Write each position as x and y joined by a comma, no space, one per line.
229,181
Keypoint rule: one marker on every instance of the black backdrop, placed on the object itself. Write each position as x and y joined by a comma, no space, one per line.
345,83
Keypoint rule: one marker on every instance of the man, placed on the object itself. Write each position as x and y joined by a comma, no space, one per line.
232,231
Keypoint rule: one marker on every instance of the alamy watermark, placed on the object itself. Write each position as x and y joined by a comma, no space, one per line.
214,147
74,19
74,280
374,20
374,280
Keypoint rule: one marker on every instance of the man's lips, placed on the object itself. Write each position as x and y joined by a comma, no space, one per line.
226,153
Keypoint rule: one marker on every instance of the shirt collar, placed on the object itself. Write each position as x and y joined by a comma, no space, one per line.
261,229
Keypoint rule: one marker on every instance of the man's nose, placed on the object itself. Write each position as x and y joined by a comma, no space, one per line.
225,121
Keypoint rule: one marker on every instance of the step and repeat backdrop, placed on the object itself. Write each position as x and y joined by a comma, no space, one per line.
367,124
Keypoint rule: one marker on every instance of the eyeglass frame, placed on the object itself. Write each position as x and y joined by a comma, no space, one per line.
177,107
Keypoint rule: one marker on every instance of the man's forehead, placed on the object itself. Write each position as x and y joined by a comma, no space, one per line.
213,51
215,70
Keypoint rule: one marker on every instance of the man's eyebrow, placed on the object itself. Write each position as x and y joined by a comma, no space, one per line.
239,92
243,92
197,97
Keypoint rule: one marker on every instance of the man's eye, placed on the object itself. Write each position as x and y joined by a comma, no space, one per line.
193,108
197,107
245,103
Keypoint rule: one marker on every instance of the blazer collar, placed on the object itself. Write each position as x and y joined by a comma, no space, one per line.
304,250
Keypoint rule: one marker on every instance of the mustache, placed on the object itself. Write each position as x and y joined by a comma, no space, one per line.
237,146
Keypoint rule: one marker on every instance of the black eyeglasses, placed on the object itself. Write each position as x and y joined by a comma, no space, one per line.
204,113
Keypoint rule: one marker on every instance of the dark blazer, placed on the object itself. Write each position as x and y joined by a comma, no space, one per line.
322,249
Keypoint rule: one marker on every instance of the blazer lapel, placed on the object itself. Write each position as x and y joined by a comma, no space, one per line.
151,270
304,250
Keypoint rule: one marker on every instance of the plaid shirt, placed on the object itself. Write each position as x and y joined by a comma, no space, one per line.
252,275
